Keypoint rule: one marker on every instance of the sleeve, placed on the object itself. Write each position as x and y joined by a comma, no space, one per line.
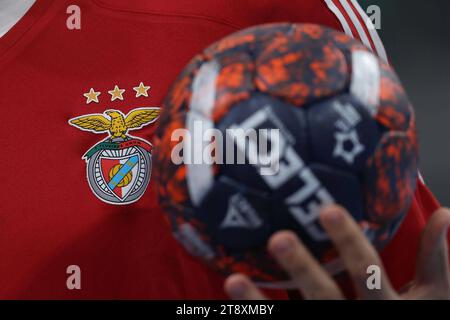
355,22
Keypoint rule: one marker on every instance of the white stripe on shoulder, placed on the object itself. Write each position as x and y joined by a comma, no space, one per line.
421,178
373,32
356,23
340,17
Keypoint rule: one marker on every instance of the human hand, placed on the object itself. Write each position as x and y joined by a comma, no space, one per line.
432,280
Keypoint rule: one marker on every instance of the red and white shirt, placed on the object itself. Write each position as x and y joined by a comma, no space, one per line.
124,57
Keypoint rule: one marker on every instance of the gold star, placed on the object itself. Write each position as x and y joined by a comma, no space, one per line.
116,93
141,90
91,96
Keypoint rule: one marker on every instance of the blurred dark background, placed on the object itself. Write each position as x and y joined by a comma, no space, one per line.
417,39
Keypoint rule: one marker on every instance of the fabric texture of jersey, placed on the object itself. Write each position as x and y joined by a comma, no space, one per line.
54,210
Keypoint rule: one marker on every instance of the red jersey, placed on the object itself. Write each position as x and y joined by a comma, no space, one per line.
58,206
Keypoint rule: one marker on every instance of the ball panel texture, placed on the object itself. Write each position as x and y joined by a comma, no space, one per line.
338,146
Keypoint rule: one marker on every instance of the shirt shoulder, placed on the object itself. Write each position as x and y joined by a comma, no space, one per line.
344,15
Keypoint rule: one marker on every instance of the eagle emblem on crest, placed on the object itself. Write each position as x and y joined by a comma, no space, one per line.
119,167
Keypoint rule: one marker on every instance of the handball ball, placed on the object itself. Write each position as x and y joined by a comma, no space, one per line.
270,124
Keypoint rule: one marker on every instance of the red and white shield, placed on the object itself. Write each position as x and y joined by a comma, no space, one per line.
120,174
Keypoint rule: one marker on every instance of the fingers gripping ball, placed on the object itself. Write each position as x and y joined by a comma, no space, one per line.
345,134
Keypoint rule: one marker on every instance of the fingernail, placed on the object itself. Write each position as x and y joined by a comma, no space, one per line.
332,216
282,245
237,289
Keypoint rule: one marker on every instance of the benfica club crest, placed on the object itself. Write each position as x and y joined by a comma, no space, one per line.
119,167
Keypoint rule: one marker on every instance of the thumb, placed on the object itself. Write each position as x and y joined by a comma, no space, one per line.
432,263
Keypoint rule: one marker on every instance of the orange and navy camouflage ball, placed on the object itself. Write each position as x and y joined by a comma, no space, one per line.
321,120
